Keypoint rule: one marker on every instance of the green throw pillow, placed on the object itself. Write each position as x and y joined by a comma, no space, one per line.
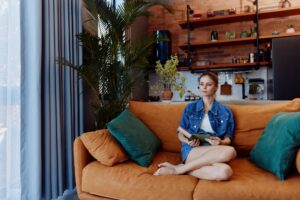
137,140
276,148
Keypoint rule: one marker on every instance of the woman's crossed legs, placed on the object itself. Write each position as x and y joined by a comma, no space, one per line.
204,162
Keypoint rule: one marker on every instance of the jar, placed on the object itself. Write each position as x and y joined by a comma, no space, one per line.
234,59
251,57
214,36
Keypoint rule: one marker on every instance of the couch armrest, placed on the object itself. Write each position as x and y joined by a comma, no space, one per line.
81,158
298,161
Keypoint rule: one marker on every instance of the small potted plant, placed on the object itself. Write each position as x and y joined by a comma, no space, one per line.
290,28
170,78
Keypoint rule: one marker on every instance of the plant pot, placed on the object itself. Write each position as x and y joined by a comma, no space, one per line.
167,94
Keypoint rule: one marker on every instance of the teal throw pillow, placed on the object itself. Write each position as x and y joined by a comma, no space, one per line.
276,148
137,140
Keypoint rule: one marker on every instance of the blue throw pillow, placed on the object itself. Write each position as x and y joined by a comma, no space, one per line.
276,149
137,140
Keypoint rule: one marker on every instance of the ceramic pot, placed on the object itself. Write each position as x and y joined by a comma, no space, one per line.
167,94
244,34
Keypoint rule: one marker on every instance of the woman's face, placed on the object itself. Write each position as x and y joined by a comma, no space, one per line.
207,86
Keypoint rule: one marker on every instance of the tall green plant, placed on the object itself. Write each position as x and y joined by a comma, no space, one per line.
114,62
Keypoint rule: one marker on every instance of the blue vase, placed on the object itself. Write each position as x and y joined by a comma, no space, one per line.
162,49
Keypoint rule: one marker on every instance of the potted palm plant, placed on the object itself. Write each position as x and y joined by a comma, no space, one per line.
114,63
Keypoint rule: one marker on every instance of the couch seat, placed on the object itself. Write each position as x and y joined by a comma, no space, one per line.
248,182
130,181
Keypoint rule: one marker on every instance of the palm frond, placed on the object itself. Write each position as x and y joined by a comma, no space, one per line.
114,64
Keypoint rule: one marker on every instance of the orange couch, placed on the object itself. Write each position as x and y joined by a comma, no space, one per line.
129,181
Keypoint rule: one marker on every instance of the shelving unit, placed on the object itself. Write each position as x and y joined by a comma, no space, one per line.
241,66
191,24
238,41
266,14
229,65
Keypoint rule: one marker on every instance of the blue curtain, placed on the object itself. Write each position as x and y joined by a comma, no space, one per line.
31,57
51,97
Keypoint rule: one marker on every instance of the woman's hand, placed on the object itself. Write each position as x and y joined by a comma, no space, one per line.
214,141
218,141
194,143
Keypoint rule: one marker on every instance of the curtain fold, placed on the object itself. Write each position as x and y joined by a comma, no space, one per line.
59,103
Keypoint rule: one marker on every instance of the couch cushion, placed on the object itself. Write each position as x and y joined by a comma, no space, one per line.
250,121
130,181
277,147
138,140
248,182
163,119
103,147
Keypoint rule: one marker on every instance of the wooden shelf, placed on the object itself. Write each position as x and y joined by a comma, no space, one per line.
266,14
218,43
196,23
238,41
229,65
182,68
279,36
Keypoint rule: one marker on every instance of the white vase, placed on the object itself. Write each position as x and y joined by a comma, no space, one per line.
290,30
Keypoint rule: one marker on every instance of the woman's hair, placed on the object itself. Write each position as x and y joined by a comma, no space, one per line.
212,75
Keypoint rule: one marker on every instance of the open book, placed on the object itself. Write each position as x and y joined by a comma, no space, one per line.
190,136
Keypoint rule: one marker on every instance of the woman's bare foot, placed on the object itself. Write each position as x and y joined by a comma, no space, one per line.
163,171
166,164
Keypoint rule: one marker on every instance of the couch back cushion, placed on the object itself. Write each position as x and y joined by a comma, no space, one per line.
163,120
250,120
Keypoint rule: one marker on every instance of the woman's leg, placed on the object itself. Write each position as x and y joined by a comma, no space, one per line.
217,172
167,168
215,154
198,158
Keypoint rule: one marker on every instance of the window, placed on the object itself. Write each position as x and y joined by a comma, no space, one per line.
10,99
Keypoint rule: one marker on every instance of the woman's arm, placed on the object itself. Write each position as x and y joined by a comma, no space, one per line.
182,138
192,143
230,125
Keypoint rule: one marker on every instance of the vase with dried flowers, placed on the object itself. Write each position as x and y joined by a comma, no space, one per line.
290,28
170,78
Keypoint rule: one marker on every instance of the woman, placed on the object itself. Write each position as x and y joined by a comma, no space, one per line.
205,159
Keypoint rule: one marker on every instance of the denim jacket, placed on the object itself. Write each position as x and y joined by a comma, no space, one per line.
220,118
